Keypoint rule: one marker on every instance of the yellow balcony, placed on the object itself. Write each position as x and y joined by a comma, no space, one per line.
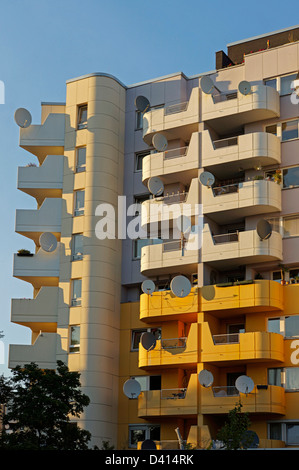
232,249
226,112
225,156
218,400
45,139
246,347
43,352
177,121
172,352
43,181
175,164
40,269
170,402
259,296
39,313
32,223
165,305
230,202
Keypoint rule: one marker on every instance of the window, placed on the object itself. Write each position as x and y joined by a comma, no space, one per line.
275,431
141,432
289,130
76,292
139,158
136,335
80,159
275,376
274,325
138,200
272,129
149,382
292,378
286,84
272,82
138,244
82,117
292,431
74,338
79,202
291,177
291,226
139,120
77,247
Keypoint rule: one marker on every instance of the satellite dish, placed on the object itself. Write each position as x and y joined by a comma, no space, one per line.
244,87
250,440
184,224
22,117
148,286
244,384
160,142
155,186
264,229
132,388
180,286
207,85
205,378
148,444
48,242
148,340
142,104
207,179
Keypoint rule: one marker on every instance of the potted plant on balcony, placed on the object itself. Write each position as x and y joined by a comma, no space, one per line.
277,176
283,271
24,252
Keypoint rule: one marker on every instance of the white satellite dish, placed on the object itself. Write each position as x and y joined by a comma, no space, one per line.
184,224
207,85
264,229
207,179
244,87
48,242
148,340
205,378
160,143
180,286
155,186
244,384
148,286
142,104
22,117
132,388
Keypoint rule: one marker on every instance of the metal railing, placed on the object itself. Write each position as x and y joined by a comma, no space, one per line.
176,108
220,97
173,198
173,245
173,343
173,393
226,189
219,144
175,153
225,391
226,338
226,237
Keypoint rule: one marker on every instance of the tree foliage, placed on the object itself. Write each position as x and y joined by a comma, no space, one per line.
234,433
39,406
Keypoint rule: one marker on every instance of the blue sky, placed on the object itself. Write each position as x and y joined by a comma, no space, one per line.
43,43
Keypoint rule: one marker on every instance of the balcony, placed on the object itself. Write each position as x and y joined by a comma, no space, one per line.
43,352
40,269
257,296
44,181
222,399
223,204
33,222
177,121
171,352
246,347
224,157
232,249
169,207
178,164
229,112
170,257
39,313
45,139
170,402
166,306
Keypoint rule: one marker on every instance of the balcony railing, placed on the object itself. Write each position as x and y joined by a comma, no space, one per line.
175,153
226,338
173,393
176,108
174,245
226,237
173,198
173,343
226,189
222,143
225,391
219,97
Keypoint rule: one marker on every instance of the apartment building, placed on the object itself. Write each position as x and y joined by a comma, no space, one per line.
95,157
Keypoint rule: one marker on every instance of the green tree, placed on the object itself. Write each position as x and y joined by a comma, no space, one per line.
39,405
234,434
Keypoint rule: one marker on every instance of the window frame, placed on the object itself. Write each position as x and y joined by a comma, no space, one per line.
74,256
138,156
82,124
142,330
75,301
78,212
72,347
278,79
147,432
80,168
